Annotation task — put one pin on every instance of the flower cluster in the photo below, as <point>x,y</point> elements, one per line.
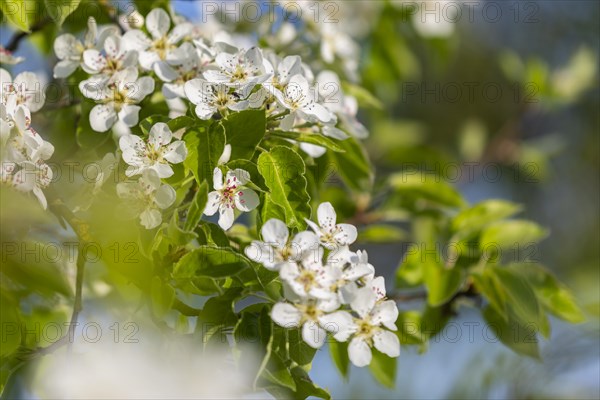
<point>152,159</point>
<point>23,152</point>
<point>212,76</point>
<point>328,287</point>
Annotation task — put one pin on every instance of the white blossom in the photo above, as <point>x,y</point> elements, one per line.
<point>230,194</point>
<point>376,318</point>
<point>157,153</point>
<point>297,97</point>
<point>26,89</point>
<point>147,197</point>
<point>163,43</point>
<point>118,97</point>
<point>210,98</point>
<point>242,70</point>
<point>277,249</point>
<point>332,235</point>
<point>309,314</point>
<point>69,50</point>
<point>111,59</point>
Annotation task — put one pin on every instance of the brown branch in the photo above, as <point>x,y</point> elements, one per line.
<point>14,41</point>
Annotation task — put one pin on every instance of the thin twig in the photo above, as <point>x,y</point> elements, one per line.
<point>14,41</point>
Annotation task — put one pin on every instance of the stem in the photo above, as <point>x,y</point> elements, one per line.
<point>185,309</point>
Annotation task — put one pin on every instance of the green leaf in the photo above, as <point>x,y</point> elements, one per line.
<point>487,284</point>
<point>339,355</point>
<point>283,171</point>
<point>411,269</point>
<point>205,144</point>
<point>521,299</point>
<point>551,294</point>
<point>14,12</point>
<point>442,282</point>
<point>214,234</point>
<point>197,207</point>
<point>162,296</point>
<point>212,262</point>
<point>504,235</point>
<point>312,138</point>
<point>353,165</point>
<point>216,315</point>
<point>11,326</point>
<point>278,373</point>
<point>383,368</point>
<point>176,235</point>
<point>182,122</point>
<point>305,387</point>
<point>520,338</point>
<point>268,209</point>
<point>244,131</point>
<point>410,331</point>
<point>380,233</point>
<point>476,217</point>
<point>299,351</point>
<point>59,10</point>
<point>418,185</point>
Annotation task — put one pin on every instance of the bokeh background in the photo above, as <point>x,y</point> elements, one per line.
<point>508,91</point>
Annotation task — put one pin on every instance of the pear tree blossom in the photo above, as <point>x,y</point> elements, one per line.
<point>242,70</point>
<point>211,98</point>
<point>26,89</point>
<point>111,59</point>
<point>118,97</point>
<point>331,234</point>
<point>309,314</point>
<point>163,45</point>
<point>147,198</point>
<point>298,97</point>
<point>277,249</point>
<point>230,194</point>
<point>70,50</point>
<point>157,153</point>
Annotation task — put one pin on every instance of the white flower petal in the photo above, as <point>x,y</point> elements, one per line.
<point>359,352</point>
<point>218,183</point>
<point>160,135</point>
<point>65,68</point>
<point>274,231</point>
<point>102,117</point>
<point>346,234</point>
<point>246,200</point>
<point>339,323</point>
<point>286,315</point>
<point>387,343</point>
<point>326,216</point>
<point>238,175</point>
<point>363,301</point>
<point>313,334</point>
<point>129,115</point>
<point>176,152</point>
<point>213,203</point>
<point>65,46</point>
<point>150,218</point>
<point>385,313</point>
<point>158,23</point>
<point>226,217</point>
<point>165,196</point>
